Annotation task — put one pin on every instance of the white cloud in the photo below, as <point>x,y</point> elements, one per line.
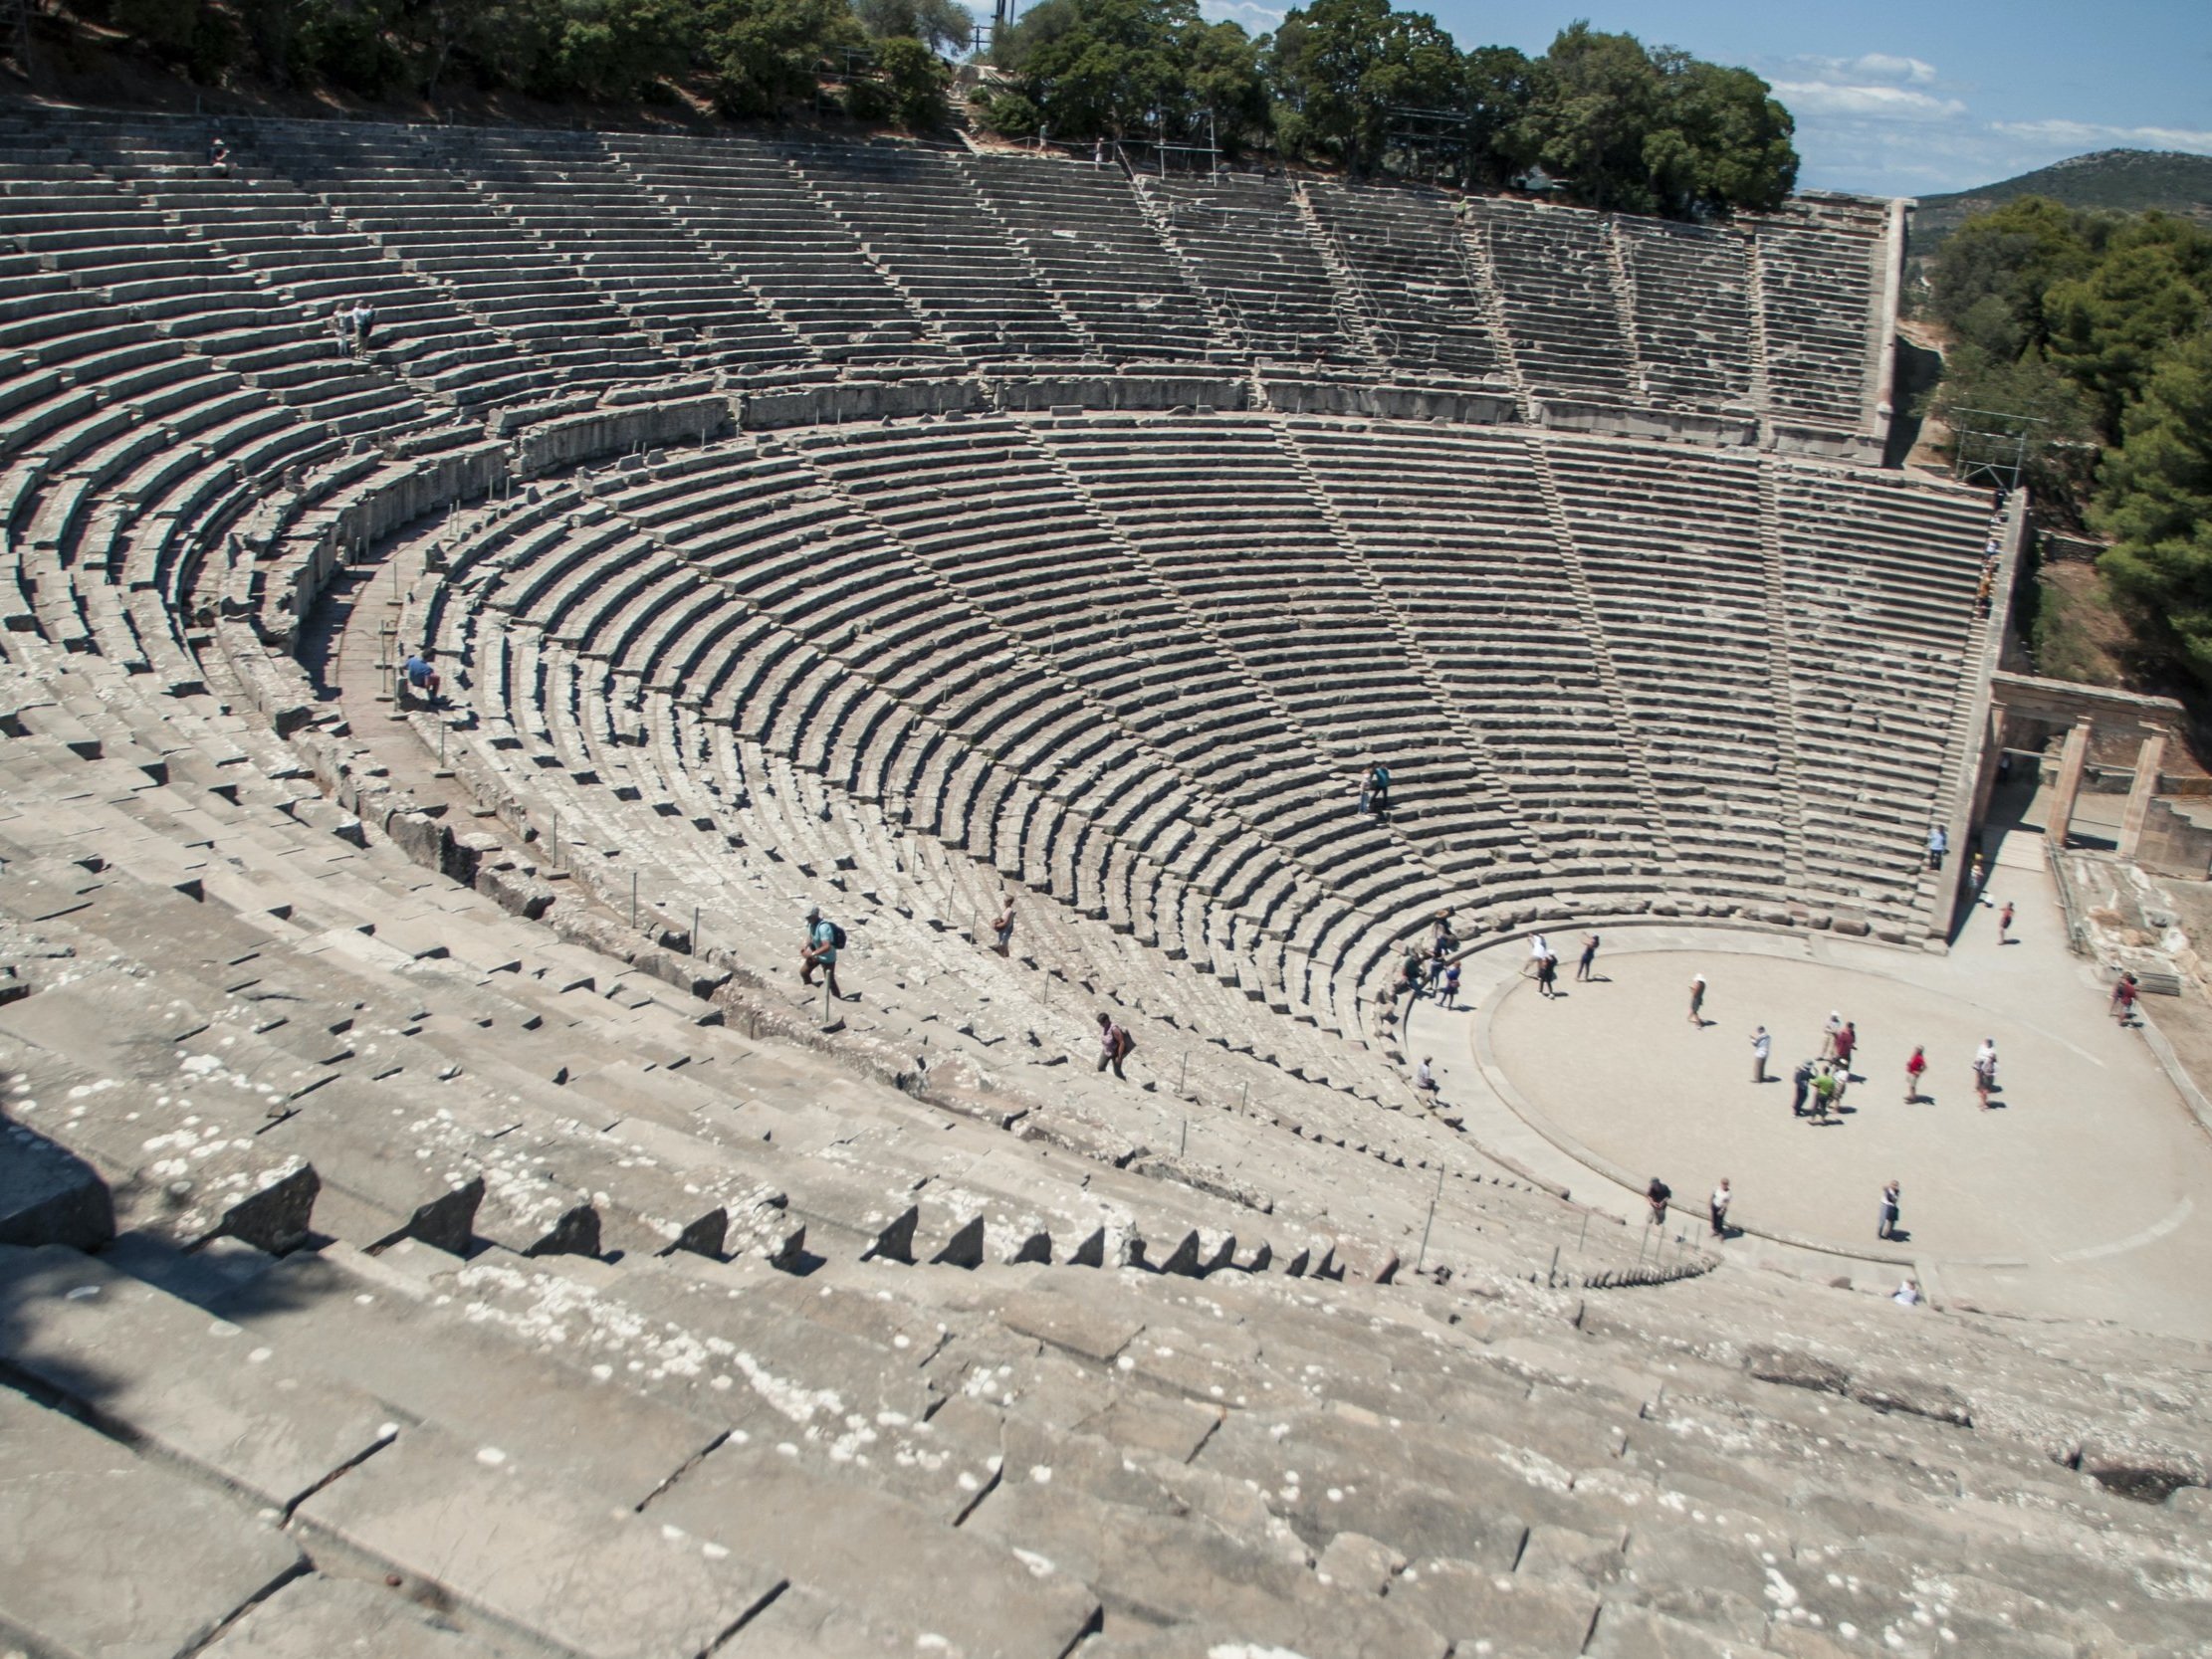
<point>2079,136</point>
<point>1881,66</point>
<point>1256,19</point>
<point>1884,121</point>
<point>1867,102</point>
<point>1878,67</point>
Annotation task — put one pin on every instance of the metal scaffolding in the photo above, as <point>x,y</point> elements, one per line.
<point>1994,450</point>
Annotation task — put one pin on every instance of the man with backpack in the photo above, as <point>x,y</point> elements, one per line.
<point>824,938</point>
<point>1114,1044</point>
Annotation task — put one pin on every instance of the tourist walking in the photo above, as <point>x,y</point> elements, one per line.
<point>1450,996</point>
<point>1938,845</point>
<point>1002,929</point>
<point>824,938</point>
<point>1829,1033</point>
<point>1657,1195</point>
<point>1985,1070</point>
<point>1915,1068</point>
<point>1114,1044</point>
<point>341,325</point>
<point>2004,924</point>
<point>1588,955</point>
<point>1801,1083</point>
<point>2125,990</point>
<point>1698,1000</point>
<point>1547,975</point>
<point>1846,1043</point>
<point>1721,1199</point>
<point>1762,1045</point>
<point>1976,876</point>
<point>364,324</point>
<point>1886,1224</point>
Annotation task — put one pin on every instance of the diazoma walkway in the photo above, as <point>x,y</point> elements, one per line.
<point>2086,1191</point>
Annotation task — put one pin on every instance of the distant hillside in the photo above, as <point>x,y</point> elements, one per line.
<point>2123,180</point>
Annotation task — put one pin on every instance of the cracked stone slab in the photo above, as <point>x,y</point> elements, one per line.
<point>198,1387</point>
<point>105,1556</point>
<point>556,1563</point>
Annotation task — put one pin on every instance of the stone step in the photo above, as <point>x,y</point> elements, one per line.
<point>554,1565</point>
<point>106,1554</point>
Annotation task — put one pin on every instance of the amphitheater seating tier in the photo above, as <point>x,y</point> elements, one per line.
<point>510,268</point>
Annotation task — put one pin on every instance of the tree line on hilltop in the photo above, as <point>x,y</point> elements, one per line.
<point>2098,328</point>
<point>1353,84</point>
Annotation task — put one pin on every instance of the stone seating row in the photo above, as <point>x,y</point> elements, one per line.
<point>1006,1459</point>
<point>1810,254</point>
<point>577,259</point>
<point>916,483</point>
<point>1404,248</point>
<point>318,936</point>
<point>1074,225</point>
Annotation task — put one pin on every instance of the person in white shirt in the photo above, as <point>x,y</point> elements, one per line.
<point>1720,1201</point>
<point>1908,1295</point>
<point>1424,1078</point>
<point>1762,1045</point>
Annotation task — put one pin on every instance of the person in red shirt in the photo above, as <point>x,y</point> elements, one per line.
<point>1846,1040</point>
<point>1915,1068</point>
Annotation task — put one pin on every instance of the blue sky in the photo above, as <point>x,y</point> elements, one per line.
<point>1905,100</point>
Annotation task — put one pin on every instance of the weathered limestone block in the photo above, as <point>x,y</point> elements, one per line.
<point>316,1617</point>
<point>50,1195</point>
<point>105,1556</point>
<point>560,1564</point>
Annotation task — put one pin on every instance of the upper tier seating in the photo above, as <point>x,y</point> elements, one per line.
<point>514,267</point>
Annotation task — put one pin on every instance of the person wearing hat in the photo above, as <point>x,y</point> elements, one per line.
<point>820,952</point>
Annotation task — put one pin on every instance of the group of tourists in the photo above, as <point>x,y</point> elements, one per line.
<point>1429,970</point>
<point>1818,1085</point>
<point>1543,962</point>
<point>354,326</point>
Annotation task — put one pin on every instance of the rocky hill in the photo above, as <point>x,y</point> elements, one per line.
<point>2123,180</point>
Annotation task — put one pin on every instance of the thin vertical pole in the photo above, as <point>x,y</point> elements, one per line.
<point>695,930</point>
<point>1435,1198</point>
<point>1181,1082</point>
<point>633,899</point>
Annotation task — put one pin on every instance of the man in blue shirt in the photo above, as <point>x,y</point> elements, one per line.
<point>820,952</point>
<point>422,677</point>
